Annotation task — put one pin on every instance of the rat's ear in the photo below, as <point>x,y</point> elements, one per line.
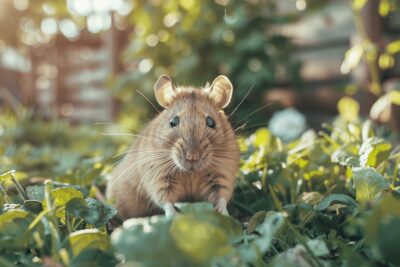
<point>164,90</point>
<point>221,91</point>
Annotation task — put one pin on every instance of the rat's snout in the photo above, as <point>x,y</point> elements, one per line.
<point>192,154</point>
<point>189,157</point>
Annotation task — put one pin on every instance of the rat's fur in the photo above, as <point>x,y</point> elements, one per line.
<point>155,173</point>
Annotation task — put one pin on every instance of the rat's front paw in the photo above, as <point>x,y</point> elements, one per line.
<point>169,210</point>
<point>221,207</point>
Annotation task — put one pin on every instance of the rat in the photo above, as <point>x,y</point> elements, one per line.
<point>187,153</point>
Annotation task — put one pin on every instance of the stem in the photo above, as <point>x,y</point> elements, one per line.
<point>17,185</point>
<point>68,223</point>
<point>304,243</point>
<point>76,225</point>
<point>48,186</point>
<point>396,169</point>
<point>275,200</point>
<point>283,242</point>
<point>274,249</point>
<point>4,194</point>
<point>381,168</point>
<point>53,225</point>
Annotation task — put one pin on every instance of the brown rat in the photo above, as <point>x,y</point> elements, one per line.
<point>188,152</point>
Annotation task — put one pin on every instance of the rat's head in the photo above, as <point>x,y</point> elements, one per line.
<point>193,122</point>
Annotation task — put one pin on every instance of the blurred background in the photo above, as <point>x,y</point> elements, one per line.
<point>84,61</point>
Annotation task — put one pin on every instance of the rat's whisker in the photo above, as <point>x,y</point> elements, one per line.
<point>205,135</point>
<point>254,112</point>
<point>223,156</point>
<point>142,161</point>
<point>160,163</point>
<point>139,92</point>
<point>137,135</point>
<point>130,156</point>
<point>117,134</point>
<point>163,169</point>
<point>135,152</point>
<point>241,127</point>
<point>142,177</point>
<point>251,127</point>
<point>244,98</point>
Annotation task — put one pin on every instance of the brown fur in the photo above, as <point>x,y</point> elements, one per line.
<point>154,171</point>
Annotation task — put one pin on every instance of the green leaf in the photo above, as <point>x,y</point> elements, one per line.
<point>347,106</point>
<point>84,190</point>
<point>189,239</point>
<point>33,206</point>
<point>381,227</point>
<point>81,240</point>
<point>336,198</point>
<point>140,239</point>
<point>105,212</point>
<point>359,4</point>
<point>374,151</point>
<point>262,137</point>
<point>351,60</point>
<point>387,206</point>
<point>394,97</point>
<point>93,257</point>
<point>346,155</point>
<point>203,237</point>
<point>6,175</point>
<point>368,183</point>
<point>388,240</point>
<point>14,233</point>
<point>384,8</point>
<point>61,197</point>
<point>194,207</point>
<point>78,208</point>
<point>91,210</point>
<point>380,109</point>
<point>386,61</point>
<point>393,47</point>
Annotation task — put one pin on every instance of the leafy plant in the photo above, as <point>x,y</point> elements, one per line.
<point>328,198</point>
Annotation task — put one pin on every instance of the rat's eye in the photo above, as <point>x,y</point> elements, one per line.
<point>174,122</point>
<point>210,122</point>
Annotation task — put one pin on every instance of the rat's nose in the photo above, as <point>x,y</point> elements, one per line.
<point>192,155</point>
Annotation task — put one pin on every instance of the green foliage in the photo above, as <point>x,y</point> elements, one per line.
<point>326,199</point>
<point>368,183</point>
<point>194,41</point>
<point>91,211</point>
<point>54,149</point>
<point>380,227</point>
<point>195,238</point>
